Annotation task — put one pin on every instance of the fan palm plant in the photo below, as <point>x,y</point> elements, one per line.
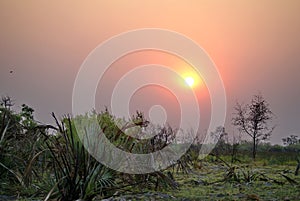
<point>78,175</point>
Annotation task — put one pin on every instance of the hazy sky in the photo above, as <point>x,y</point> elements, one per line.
<point>254,44</point>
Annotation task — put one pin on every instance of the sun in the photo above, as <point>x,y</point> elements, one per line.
<point>190,81</point>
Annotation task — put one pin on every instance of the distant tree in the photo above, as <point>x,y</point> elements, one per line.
<point>221,146</point>
<point>27,119</point>
<point>6,102</point>
<point>234,148</point>
<point>290,140</point>
<point>252,119</point>
<point>219,134</point>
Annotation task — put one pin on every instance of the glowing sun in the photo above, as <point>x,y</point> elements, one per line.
<point>190,81</point>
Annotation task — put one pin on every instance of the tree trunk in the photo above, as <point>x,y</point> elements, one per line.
<point>297,168</point>
<point>254,149</point>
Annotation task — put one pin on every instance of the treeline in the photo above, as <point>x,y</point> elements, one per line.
<point>271,154</point>
<point>245,146</point>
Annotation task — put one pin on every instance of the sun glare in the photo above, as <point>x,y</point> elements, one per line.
<point>190,81</point>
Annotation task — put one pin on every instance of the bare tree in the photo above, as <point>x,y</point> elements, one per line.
<point>252,119</point>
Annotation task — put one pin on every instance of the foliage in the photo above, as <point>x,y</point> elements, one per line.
<point>19,146</point>
<point>129,136</point>
<point>80,176</point>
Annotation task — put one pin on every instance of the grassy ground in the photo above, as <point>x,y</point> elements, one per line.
<point>265,183</point>
<point>214,180</point>
<point>218,182</point>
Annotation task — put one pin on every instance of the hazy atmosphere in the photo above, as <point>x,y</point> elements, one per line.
<point>254,44</point>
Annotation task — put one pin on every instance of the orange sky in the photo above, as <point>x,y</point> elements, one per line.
<point>255,45</point>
